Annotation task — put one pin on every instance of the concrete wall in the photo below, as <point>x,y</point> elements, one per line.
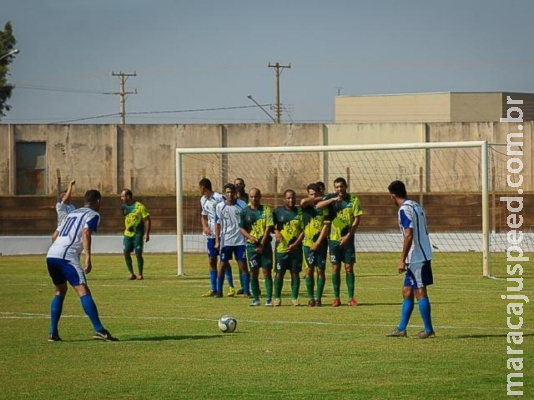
<point>142,157</point>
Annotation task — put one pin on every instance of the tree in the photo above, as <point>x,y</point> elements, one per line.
<point>7,44</point>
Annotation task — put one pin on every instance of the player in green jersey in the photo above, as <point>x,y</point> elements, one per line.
<point>289,233</point>
<point>345,210</point>
<point>137,231</point>
<point>256,224</point>
<point>315,244</point>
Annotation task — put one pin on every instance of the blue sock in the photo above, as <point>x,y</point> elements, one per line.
<point>424,310</point>
<point>89,307</point>
<point>220,282</point>
<point>56,307</point>
<point>406,313</point>
<point>229,277</point>
<point>246,283</point>
<point>213,280</point>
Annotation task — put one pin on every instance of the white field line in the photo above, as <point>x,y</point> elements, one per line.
<point>19,315</point>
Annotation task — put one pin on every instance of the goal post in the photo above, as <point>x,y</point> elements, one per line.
<point>447,177</point>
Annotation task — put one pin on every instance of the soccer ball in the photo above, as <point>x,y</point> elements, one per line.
<point>227,324</point>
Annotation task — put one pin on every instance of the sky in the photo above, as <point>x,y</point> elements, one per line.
<point>197,61</point>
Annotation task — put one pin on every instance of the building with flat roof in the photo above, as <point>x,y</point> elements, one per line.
<point>430,107</point>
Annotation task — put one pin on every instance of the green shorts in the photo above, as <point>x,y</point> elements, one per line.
<point>260,260</point>
<point>134,243</point>
<point>345,254</point>
<point>289,261</point>
<point>316,258</point>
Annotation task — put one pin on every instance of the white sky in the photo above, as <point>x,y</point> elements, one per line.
<point>205,54</point>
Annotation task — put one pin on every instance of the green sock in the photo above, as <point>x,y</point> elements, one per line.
<point>350,284</point>
<point>269,286</point>
<point>309,286</point>
<point>320,287</point>
<point>129,265</point>
<point>278,284</point>
<point>295,286</point>
<point>140,264</point>
<point>335,284</point>
<point>254,288</point>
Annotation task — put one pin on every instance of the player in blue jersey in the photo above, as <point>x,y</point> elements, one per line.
<point>73,236</point>
<point>208,216</point>
<point>415,261</point>
<point>137,226</point>
<point>229,239</point>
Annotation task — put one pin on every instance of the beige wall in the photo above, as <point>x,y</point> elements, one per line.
<point>393,108</point>
<point>142,157</point>
<point>473,107</point>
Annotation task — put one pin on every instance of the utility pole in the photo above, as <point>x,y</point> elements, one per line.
<point>278,70</point>
<point>123,77</point>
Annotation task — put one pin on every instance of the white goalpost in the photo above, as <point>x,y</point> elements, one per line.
<point>451,179</point>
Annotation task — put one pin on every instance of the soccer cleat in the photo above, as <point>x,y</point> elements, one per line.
<point>139,277</point>
<point>132,277</point>
<point>277,302</point>
<point>231,292</point>
<point>54,338</point>
<point>255,303</point>
<point>336,303</point>
<point>217,295</point>
<point>209,293</point>
<point>352,303</point>
<point>268,303</point>
<point>311,303</point>
<point>247,295</point>
<point>424,335</point>
<point>239,291</point>
<point>396,333</point>
<point>295,302</point>
<point>104,335</point>
<point>318,303</point>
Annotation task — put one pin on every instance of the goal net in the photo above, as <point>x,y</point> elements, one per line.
<point>453,181</point>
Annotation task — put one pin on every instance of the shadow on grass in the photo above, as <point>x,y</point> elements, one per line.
<point>170,337</point>
<point>485,336</point>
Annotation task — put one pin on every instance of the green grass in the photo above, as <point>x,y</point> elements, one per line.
<point>170,346</point>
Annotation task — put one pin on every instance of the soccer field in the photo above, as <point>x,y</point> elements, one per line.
<point>170,346</point>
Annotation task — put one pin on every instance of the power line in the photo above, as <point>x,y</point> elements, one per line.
<point>53,89</point>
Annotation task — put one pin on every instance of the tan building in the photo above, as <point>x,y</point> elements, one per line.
<point>430,107</point>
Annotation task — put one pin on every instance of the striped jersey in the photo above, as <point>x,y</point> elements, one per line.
<point>69,243</point>
<point>207,208</point>
<point>411,215</point>
<point>228,217</point>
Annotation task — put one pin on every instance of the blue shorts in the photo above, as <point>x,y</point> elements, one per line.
<point>61,271</point>
<point>212,251</point>
<point>418,275</point>
<point>227,253</point>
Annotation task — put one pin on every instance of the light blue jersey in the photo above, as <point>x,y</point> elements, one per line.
<point>207,208</point>
<point>69,242</point>
<point>228,217</point>
<point>411,215</point>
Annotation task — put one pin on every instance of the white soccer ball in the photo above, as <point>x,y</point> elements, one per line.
<point>227,324</point>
